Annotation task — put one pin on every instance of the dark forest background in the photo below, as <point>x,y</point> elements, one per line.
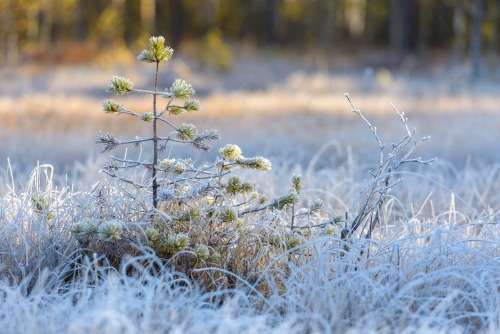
<point>466,29</point>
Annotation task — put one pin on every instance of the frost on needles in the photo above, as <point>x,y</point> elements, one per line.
<point>205,214</point>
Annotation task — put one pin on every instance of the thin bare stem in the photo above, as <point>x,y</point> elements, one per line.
<point>155,141</point>
<point>377,191</point>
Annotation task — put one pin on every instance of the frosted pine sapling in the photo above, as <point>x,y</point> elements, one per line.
<point>185,133</point>
<point>192,203</point>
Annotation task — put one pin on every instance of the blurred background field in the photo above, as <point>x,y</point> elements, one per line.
<point>270,74</point>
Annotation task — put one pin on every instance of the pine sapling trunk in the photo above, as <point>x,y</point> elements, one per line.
<point>155,142</point>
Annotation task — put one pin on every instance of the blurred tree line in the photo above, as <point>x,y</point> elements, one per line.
<point>463,27</point>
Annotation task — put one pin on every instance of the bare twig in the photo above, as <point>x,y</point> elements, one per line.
<point>377,191</point>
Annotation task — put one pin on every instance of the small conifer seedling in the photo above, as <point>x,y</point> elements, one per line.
<point>185,133</point>
<point>196,214</point>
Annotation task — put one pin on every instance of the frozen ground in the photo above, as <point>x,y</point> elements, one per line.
<point>432,267</point>
<point>433,264</point>
<point>282,108</point>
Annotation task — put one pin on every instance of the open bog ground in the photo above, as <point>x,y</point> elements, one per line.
<point>431,264</point>
<point>280,108</point>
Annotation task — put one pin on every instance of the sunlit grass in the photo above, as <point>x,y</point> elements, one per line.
<point>432,265</point>
<point>294,119</point>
